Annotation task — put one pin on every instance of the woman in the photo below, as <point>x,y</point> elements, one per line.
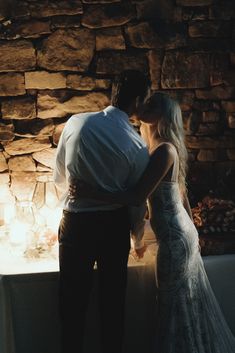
<point>189,318</point>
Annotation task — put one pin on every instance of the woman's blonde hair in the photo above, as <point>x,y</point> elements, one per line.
<point>170,127</point>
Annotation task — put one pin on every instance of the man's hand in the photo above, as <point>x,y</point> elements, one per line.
<point>140,252</point>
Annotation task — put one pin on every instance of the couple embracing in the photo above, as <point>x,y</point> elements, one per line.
<point>109,171</point>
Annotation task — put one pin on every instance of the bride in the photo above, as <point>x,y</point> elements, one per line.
<point>189,317</point>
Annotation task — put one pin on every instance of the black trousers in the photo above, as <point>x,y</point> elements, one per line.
<point>86,238</point>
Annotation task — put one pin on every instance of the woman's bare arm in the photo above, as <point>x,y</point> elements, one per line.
<point>160,162</point>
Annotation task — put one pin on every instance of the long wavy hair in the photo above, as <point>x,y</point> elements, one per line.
<point>170,128</point>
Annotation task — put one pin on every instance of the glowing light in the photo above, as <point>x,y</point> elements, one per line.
<point>9,213</point>
<point>2,220</point>
<point>18,233</point>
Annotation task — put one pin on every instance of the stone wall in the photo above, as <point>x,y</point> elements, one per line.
<point>59,57</point>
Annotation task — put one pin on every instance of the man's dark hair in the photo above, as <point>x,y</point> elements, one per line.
<point>127,86</point>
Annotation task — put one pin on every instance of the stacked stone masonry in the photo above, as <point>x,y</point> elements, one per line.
<point>58,58</point>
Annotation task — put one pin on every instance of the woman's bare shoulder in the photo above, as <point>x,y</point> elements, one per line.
<point>165,149</point>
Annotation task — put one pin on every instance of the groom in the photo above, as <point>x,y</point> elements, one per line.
<point>103,149</point>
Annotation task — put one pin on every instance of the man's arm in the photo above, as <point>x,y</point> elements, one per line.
<point>59,173</point>
<point>137,219</point>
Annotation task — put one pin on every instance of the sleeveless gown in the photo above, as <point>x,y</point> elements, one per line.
<point>189,317</point>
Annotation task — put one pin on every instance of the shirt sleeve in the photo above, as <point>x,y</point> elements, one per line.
<point>59,173</point>
<point>137,214</point>
<point>137,219</point>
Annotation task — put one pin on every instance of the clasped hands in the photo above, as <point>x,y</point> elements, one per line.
<point>79,189</point>
<point>82,189</point>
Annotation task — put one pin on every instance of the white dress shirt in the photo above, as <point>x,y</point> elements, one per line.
<point>103,149</point>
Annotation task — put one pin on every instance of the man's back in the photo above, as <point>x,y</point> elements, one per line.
<point>104,150</point>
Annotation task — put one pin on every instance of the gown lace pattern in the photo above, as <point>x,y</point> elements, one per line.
<point>189,317</point>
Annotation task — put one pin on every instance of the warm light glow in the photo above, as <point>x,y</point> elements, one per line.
<point>54,220</point>
<point>18,233</point>
<point>49,217</point>
<point>9,213</point>
<point>2,220</point>
<point>28,231</point>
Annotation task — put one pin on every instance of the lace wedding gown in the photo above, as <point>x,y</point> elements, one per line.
<point>189,317</point>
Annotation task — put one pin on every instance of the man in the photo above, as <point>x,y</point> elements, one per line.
<point>104,150</point>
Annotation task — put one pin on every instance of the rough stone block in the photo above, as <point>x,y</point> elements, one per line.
<point>86,83</point>
<point>113,63</point>
<point>155,62</point>
<point>208,155</point>
<point>209,29</point>
<point>18,56</point>
<point>50,106</point>
<point>12,84</point>
<point>111,38</point>
<point>30,29</point>
<point>6,136</point>
<point>46,157</point>
<point>110,15</point>
<point>27,145</point>
<point>70,49</point>
<point>185,70</point>
<point>22,164</point>
<point>34,127</point>
<point>19,108</point>
<point>66,22</point>
<point>205,105</point>
<point>184,98</point>
<point>50,8</point>
<point>152,9</point>
<point>3,163</point>
<point>211,116</point>
<point>216,93</point>
<point>228,106</point>
<point>44,80</point>
<point>4,178</point>
<point>194,142</point>
<point>208,129</point>
<point>56,135</point>
<point>143,35</point>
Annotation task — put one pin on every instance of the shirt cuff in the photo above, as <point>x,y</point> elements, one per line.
<point>138,244</point>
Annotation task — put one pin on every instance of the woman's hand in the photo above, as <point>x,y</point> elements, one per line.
<point>140,252</point>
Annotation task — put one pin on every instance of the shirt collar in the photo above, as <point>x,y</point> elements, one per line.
<point>113,110</point>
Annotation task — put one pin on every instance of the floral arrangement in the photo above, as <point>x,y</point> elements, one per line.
<point>214,215</point>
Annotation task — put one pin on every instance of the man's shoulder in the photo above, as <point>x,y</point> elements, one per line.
<point>84,116</point>
<point>82,119</point>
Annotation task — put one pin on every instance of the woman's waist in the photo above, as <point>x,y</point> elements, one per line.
<point>165,207</point>
<point>174,217</point>
<point>165,197</point>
